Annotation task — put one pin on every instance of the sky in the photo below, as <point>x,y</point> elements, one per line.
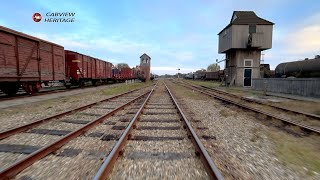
<point>174,33</point>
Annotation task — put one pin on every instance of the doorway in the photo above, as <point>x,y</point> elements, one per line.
<point>247,77</point>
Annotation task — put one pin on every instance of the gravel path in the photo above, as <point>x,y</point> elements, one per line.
<point>239,143</point>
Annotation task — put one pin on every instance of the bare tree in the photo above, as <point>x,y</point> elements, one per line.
<point>213,67</point>
<point>122,65</point>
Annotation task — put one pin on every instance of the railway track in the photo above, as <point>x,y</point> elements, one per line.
<point>22,146</point>
<point>15,130</point>
<point>22,94</point>
<point>77,154</point>
<point>295,112</point>
<point>309,125</point>
<point>154,145</point>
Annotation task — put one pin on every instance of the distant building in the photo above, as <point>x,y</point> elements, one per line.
<point>242,40</point>
<point>145,62</point>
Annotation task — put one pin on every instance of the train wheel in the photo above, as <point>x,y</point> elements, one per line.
<point>81,84</point>
<point>31,88</point>
<point>36,87</point>
<point>10,89</point>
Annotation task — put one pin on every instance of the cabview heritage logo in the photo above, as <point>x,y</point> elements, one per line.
<point>55,17</point>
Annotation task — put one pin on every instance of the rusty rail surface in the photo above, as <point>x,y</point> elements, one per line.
<point>303,126</point>
<point>13,131</point>
<point>315,116</point>
<point>107,166</point>
<point>20,165</point>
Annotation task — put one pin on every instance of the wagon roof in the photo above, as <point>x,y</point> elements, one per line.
<point>70,51</point>
<point>17,33</point>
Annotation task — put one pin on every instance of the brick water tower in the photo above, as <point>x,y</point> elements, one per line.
<point>243,40</point>
<point>145,67</point>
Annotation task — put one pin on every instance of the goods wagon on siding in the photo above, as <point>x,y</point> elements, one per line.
<point>127,73</point>
<point>82,68</point>
<point>308,68</point>
<point>122,74</point>
<point>28,61</point>
<point>216,75</point>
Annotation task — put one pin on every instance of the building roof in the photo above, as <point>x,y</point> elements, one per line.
<point>144,54</point>
<point>17,33</point>
<point>246,18</point>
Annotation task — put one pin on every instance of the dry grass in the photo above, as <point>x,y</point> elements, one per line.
<point>124,88</point>
<point>185,92</point>
<point>297,153</point>
<point>225,113</point>
<point>256,135</point>
<point>50,103</point>
<point>210,84</point>
<point>305,106</point>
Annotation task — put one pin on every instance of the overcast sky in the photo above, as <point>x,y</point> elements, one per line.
<point>175,33</point>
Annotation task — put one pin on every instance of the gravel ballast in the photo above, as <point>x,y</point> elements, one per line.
<point>240,144</point>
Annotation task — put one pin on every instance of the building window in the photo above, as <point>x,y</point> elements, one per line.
<point>248,63</point>
<point>252,29</point>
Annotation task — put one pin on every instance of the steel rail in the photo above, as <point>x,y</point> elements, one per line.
<point>13,131</point>
<point>108,163</point>
<point>211,168</point>
<point>303,126</point>
<point>259,102</point>
<point>20,165</point>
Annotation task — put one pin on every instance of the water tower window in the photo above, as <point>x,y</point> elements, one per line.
<point>252,29</point>
<point>248,63</point>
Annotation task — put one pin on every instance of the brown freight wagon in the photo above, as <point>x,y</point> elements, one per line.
<point>109,70</point>
<point>103,70</point>
<point>81,68</point>
<point>28,61</point>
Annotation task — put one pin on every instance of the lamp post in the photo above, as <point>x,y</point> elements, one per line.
<point>178,72</point>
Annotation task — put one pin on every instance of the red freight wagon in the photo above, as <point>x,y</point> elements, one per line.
<point>103,70</point>
<point>79,68</point>
<point>28,61</point>
<point>109,70</point>
<point>100,69</point>
<point>126,73</point>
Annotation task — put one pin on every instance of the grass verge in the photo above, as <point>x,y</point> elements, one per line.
<point>185,92</point>
<point>210,84</point>
<point>124,88</point>
<point>298,153</point>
